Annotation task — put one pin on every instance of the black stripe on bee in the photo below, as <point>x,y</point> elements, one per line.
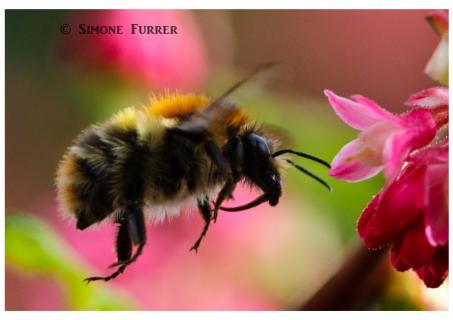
<point>101,160</point>
<point>132,173</point>
<point>94,193</point>
<point>129,163</point>
<point>182,161</point>
<point>128,136</point>
<point>93,140</point>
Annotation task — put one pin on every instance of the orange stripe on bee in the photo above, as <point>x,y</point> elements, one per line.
<point>237,118</point>
<point>67,178</point>
<point>232,119</point>
<point>177,106</point>
<point>68,166</point>
<point>70,198</point>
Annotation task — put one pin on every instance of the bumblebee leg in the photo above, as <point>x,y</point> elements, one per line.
<point>135,223</point>
<point>137,232</point>
<point>224,193</point>
<point>235,150</point>
<point>214,152</point>
<point>123,244</point>
<point>205,210</point>
<point>110,277</point>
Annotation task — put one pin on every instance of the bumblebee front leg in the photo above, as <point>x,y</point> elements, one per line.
<point>132,230</point>
<point>205,210</point>
<point>235,150</point>
<point>224,193</point>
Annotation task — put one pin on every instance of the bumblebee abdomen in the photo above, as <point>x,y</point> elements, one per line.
<point>101,165</point>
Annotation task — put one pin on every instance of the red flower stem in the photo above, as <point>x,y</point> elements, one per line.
<point>360,280</point>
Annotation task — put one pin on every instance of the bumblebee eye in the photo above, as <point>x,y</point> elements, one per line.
<point>259,145</point>
<point>258,158</point>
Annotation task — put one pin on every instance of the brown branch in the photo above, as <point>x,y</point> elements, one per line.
<point>360,281</point>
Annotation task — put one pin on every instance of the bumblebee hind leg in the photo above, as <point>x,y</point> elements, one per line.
<point>131,230</point>
<point>205,210</point>
<point>123,244</point>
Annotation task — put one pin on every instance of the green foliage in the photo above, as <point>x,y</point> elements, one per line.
<point>33,247</point>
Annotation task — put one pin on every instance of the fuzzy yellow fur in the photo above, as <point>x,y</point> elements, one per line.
<point>164,111</point>
<point>177,106</point>
<point>126,119</point>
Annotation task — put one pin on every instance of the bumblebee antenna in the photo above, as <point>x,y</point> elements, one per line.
<point>238,84</point>
<point>302,155</point>
<point>325,184</point>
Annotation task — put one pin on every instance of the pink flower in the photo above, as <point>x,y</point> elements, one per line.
<point>437,67</point>
<point>435,99</point>
<point>429,98</point>
<point>411,214</point>
<point>162,61</point>
<point>384,141</point>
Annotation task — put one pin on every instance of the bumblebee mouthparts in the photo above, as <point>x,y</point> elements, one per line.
<point>262,198</point>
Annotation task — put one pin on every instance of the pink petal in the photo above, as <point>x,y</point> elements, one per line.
<point>384,114</point>
<point>398,205</point>
<point>395,257</point>
<point>367,215</point>
<point>435,154</point>
<point>436,202</point>
<point>360,114</point>
<point>396,151</point>
<point>412,250</point>
<point>420,126</point>
<point>429,98</point>
<point>434,273</point>
<point>345,168</point>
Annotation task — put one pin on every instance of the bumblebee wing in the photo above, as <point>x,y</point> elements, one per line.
<point>220,109</point>
<point>260,72</point>
<point>200,123</point>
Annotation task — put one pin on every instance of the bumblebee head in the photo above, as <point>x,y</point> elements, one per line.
<point>258,165</point>
<point>259,168</point>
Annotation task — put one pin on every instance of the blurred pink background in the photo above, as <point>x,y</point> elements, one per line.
<point>377,53</point>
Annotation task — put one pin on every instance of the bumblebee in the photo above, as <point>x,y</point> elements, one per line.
<point>181,149</point>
